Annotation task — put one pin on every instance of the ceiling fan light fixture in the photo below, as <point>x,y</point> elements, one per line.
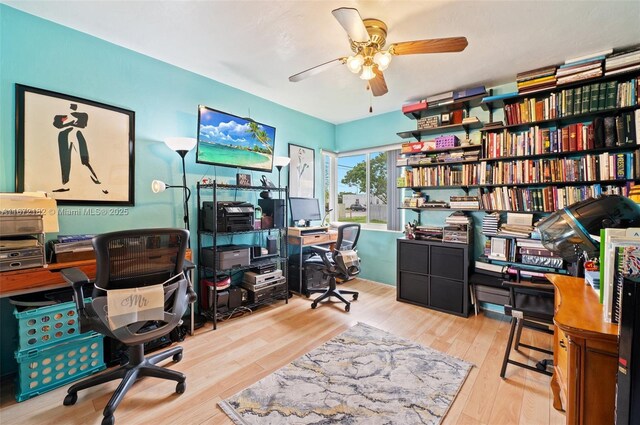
<point>367,72</point>
<point>354,63</point>
<point>382,59</point>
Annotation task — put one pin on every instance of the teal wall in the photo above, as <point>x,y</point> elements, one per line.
<point>42,54</point>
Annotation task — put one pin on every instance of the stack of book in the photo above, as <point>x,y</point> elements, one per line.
<point>492,125</point>
<point>440,99</point>
<point>536,80</point>
<point>428,232</point>
<point>470,92</point>
<point>464,202</point>
<point>520,230</point>
<point>490,224</point>
<point>625,61</point>
<point>72,248</point>
<point>593,279</point>
<point>533,253</point>
<point>581,68</point>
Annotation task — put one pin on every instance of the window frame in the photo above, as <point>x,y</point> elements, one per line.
<point>333,191</point>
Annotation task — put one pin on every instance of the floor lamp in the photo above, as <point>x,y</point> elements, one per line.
<point>181,145</point>
<point>280,162</point>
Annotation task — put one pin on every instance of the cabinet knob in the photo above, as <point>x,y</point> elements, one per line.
<point>562,344</point>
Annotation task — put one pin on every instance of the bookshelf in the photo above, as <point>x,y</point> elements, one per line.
<point>554,145</point>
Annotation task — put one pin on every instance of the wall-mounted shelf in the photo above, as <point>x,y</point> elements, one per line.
<point>417,134</point>
<point>563,154</point>
<point>466,103</point>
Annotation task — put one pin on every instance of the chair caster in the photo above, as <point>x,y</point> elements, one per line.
<point>314,305</point>
<point>355,297</point>
<point>181,387</point>
<point>347,307</point>
<point>108,420</point>
<point>177,357</point>
<point>70,399</point>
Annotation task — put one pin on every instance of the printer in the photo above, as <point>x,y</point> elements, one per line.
<point>232,216</point>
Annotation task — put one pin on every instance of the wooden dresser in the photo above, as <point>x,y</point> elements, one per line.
<point>585,354</point>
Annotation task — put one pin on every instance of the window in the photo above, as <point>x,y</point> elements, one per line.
<point>362,188</point>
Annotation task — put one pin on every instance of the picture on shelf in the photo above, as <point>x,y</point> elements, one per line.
<point>243,179</point>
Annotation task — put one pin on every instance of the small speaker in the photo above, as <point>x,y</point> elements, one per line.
<point>256,251</point>
<point>235,297</point>
<point>272,244</point>
<point>274,208</point>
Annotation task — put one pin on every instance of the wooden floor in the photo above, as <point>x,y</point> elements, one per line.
<point>243,350</point>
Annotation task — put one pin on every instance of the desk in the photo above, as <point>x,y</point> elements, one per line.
<point>301,241</point>
<point>26,281</point>
<point>585,354</point>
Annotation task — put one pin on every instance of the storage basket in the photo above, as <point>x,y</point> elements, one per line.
<point>44,326</point>
<point>42,370</point>
<point>444,142</point>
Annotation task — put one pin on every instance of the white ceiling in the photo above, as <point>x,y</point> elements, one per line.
<point>256,45</point>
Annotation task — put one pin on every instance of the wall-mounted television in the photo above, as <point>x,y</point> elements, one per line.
<point>231,141</point>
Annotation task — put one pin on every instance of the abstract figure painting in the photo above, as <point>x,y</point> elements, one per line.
<point>301,171</point>
<point>77,150</point>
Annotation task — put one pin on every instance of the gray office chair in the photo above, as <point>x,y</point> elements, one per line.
<point>338,262</point>
<point>130,259</point>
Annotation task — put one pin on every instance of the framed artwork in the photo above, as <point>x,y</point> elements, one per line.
<point>77,150</point>
<point>302,171</point>
<point>243,179</point>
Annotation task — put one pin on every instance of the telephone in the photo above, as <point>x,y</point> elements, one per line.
<point>266,182</point>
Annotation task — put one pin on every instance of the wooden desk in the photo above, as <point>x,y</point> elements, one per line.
<point>585,354</point>
<point>326,238</point>
<point>18,282</point>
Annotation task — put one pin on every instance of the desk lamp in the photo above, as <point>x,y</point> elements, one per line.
<point>181,145</point>
<point>567,232</point>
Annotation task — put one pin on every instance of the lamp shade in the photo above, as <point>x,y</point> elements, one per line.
<point>281,161</point>
<point>158,186</point>
<point>180,143</point>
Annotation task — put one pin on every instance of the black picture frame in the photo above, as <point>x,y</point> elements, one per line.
<point>80,151</point>
<point>302,171</point>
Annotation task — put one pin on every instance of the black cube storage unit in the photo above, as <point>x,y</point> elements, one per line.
<point>435,275</point>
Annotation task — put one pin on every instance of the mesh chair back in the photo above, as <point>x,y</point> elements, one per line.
<point>347,236</point>
<point>137,258</point>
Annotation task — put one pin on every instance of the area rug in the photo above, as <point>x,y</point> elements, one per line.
<point>362,376</point>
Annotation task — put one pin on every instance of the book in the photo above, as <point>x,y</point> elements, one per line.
<point>414,107</point>
<point>473,91</point>
<point>590,56</point>
<point>440,97</point>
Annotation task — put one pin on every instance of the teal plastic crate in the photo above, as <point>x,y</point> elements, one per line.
<point>45,326</point>
<point>43,370</point>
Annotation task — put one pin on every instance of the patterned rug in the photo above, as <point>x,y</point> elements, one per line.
<point>362,376</point>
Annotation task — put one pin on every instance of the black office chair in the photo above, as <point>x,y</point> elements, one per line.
<point>341,262</point>
<point>531,305</point>
<point>134,259</point>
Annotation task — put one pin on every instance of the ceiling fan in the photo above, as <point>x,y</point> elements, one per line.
<point>368,38</point>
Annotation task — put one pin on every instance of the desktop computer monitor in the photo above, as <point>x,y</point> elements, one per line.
<point>306,209</point>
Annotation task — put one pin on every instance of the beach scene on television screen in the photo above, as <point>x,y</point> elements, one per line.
<point>235,142</point>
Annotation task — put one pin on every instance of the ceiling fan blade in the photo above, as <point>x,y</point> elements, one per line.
<point>378,84</point>
<point>434,45</point>
<point>316,69</point>
<point>352,23</point>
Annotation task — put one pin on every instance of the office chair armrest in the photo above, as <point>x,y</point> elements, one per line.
<point>77,279</point>
<point>323,253</point>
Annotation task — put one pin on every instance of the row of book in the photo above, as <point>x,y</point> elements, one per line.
<point>425,158</point>
<point>587,168</point>
<point>574,101</point>
<point>603,132</point>
<point>547,199</point>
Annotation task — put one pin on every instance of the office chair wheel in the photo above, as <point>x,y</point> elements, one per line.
<point>177,357</point>
<point>355,297</point>
<point>108,420</point>
<point>70,399</point>
<point>314,305</point>
<point>347,307</point>
<point>181,387</point>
